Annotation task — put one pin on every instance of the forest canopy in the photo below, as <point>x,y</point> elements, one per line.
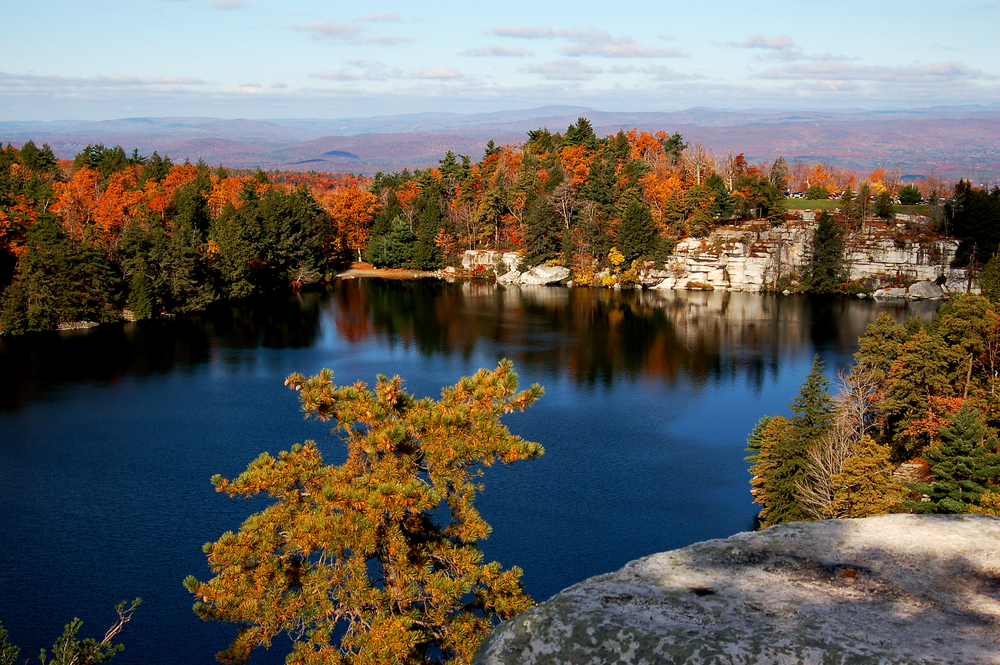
<point>112,233</point>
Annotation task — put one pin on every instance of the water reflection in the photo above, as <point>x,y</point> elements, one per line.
<point>596,335</point>
<point>33,365</point>
<point>591,336</point>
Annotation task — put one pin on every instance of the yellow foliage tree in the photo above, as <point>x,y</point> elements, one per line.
<point>375,560</point>
<point>865,485</point>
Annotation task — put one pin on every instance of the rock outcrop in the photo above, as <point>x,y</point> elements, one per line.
<point>754,255</point>
<point>889,589</point>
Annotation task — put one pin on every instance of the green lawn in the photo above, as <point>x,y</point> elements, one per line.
<point>811,204</point>
<point>830,204</point>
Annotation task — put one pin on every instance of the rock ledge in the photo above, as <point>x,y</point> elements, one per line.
<point>889,589</point>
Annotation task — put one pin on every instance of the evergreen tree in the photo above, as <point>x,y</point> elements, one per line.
<point>849,206</point>
<point>782,444</point>
<point>392,249</point>
<point>989,279</point>
<point>964,463</point>
<point>69,649</point>
<point>234,238</point>
<point>426,254</point>
<point>883,205</point>
<point>813,405</point>
<point>142,254</point>
<point>909,195</point>
<point>777,466</point>
<point>722,203</point>
<point>825,272</point>
<point>59,281</point>
<point>636,232</point>
<point>375,560</point>
<point>542,239</point>
<point>189,276</point>
<point>880,346</point>
<point>756,439</point>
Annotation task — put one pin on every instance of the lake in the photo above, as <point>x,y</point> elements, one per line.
<point>108,437</point>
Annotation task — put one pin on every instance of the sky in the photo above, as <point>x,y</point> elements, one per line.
<point>261,59</point>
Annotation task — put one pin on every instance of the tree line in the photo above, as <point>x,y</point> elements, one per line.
<point>80,240</point>
<point>912,427</point>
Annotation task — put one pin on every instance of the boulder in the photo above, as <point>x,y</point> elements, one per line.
<point>511,277</point>
<point>545,275</point>
<point>890,589</point>
<point>925,291</point>
<point>889,294</point>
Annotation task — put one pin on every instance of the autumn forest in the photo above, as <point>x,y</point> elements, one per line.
<point>83,240</point>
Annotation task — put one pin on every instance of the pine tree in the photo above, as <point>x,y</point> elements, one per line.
<point>543,236</point>
<point>426,254</point>
<point>393,249</point>
<point>777,465</point>
<point>813,405</point>
<point>374,560</point>
<point>781,463</point>
<point>989,279</point>
<point>964,464</point>
<point>636,232</point>
<point>825,272</point>
<point>756,439</point>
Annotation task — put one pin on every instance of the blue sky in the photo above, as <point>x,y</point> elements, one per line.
<point>63,59</point>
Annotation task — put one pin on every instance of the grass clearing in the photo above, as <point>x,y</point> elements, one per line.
<point>811,204</point>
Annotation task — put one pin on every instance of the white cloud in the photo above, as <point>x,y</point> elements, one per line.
<point>388,40</point>
<point>522,32</point>
<point>381,17</point>
<point>657,73</point>
<point>8,80</point>
<point>491,50</point>
<point>324,30</point>
<point>589,42</point>
<point>351,33</point>
<point>359,70</point>
<point>564,70</point>
<point>778,42</point>
<point>438,73</point>
<point>367,70</point>
<point>601,43</point>
<point>838,71</point>
<point>229,4</point>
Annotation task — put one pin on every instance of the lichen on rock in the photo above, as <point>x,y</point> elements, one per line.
<point>887,589</point>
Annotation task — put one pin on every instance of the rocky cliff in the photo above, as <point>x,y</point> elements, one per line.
<point>757,256</point>
<point>889,589</point>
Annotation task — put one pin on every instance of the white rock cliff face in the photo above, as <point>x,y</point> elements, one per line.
<point>891,589</point>
<point>753,257</point>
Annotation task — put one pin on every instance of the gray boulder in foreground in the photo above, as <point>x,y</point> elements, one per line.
<point>888,589</point>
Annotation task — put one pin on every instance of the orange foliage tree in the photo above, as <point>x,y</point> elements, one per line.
<point>76,200</point>
<point>375,560</point>
<point>352,210</point>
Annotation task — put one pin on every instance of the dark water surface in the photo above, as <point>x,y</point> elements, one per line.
<point>108,438</point>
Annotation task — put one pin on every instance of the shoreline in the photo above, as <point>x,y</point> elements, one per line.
<point>368,270</point>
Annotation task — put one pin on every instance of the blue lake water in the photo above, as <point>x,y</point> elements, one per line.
<point>108,437</point>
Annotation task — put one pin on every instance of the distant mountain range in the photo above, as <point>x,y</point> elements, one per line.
<point>948,141</point>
